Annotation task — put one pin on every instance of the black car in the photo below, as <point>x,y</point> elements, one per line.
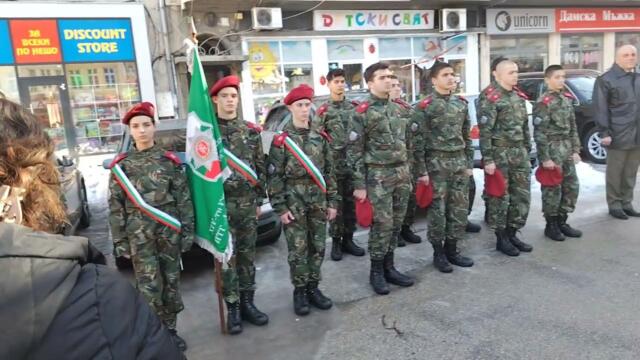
<point>74,195</point>
<point>580,84</point>
<point>171,135</point>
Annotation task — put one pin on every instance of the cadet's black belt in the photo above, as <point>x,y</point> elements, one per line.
<point>381,166</point>
<point>446,154</point>
<point>507,144</point>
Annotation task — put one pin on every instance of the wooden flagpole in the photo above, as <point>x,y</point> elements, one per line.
<point>218,283</point>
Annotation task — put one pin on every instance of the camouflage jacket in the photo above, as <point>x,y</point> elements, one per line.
<point>381,135</point>
<point>243,139</point>
<point>335,117</point>
<point>554,119</point>
<point>161,181</point>
<point>446,125</point>
<point>503,120</point>
<point>286,175</point>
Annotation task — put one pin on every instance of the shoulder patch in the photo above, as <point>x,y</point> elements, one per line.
<point>325,135</point>
<point>253,126</point>
<point>489,90</point>
<point>521,93</point>
<point>547,100</point>
<point>355,103</point>
<point>402,103</point>
<point>322,109</point>
<point>117,159</point>
<point>362,107</point>
<point>569,95</point>
<point>173,157</point>
<point>425,103</point>
<point>463,99</point>
<point>278,140</point>
<point>493,97</point>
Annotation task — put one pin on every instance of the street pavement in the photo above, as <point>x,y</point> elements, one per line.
<point>578,299</point>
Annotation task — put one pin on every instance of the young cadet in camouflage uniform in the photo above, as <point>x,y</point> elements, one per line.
<point>154,246</point>
<point>380,160</point>
<point>302,190</point>
<point>243,195</point>
<point>505,143</point>
<point>406,234</point>
<point>335,116</point>
<point>558,146</point>
<point>449,162</point>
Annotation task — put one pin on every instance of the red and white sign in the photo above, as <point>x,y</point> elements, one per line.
<point>597,19</point>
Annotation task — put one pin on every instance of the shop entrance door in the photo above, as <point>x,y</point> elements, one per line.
<point>48,99</point>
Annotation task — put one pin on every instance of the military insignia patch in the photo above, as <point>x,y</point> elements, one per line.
<point>353,136</point>
<point>537,120</point>
<point>483,120</point>
<point>414,127</point>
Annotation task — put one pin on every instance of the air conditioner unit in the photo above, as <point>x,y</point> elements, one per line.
<point>266,18</point>
<point>453,20</point>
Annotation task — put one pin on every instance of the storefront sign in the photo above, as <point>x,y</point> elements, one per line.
<point>373,20</point>
<point>6,53</point>
<point>96,40</point>
<point>597,19</point>
<point>520,21</point>
<point>35,41</point>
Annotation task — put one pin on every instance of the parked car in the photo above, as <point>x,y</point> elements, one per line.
<point>74,195</point>
<point>171,135</point>
<point>580,84</point>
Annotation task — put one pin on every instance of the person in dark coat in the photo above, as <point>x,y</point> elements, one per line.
<point>58,297</point>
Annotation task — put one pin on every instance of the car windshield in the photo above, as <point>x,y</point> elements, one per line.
<point>584,86</point>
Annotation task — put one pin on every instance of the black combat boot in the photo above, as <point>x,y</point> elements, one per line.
<point>376,278</point>
<point>552,231</point>
<point>248,310</point>
<point>350,247</point>
<point>317,298</point>
<point>180,343</point>
<point>440,259</point>
<point>336,249</point>
<point>504,245</point>
<point>409,236</point>
<point>234,322</point>
<point>401,242</point>
<point>454,257</point>
<point>392,275</point>
<point>566,229</point>
<point>300,301</point>
<point>513,238</point>
<point>473,227</point>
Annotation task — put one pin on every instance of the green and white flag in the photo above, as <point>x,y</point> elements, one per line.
<point>207,169</point>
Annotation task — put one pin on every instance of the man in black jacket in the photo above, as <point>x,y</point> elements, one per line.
<point>616,100</point>
<point>58,300</point>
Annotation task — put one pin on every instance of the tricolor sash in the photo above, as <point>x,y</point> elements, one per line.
<point>242,167</point>
<point>137,200</point>
<point>306,163</point>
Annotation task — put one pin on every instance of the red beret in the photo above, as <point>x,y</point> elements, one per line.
<point>424,194</point>
<point>549,177</point>
<point>227,81</point>
<point>364,213</point>
<point>144,108</point>
<point>495,185</point>
<point>303,91</point>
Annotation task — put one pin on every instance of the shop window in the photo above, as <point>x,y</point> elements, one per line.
<point>8,83</point>
<point>298,74</point>
<point>39,70</point>
<point>98,106</point>
<point>296,51</point>
<point>531,53</point>
<point>345,50</point>
<point>582,51</point>
<point>395,48</point>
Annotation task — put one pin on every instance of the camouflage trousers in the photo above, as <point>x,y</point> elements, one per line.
<point>307,234</point>
<point>447,214</point>
<point>561,199</point>
<point>155,254</point>
<point>388,189</point>
<point>512,209</point>
<point>241,272</point>
<point>345,222</point>
<point>410,215</point>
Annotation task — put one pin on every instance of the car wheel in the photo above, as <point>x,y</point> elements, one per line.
<point>85,218</point>
<point>269,240</point>
<point>593,148</point>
